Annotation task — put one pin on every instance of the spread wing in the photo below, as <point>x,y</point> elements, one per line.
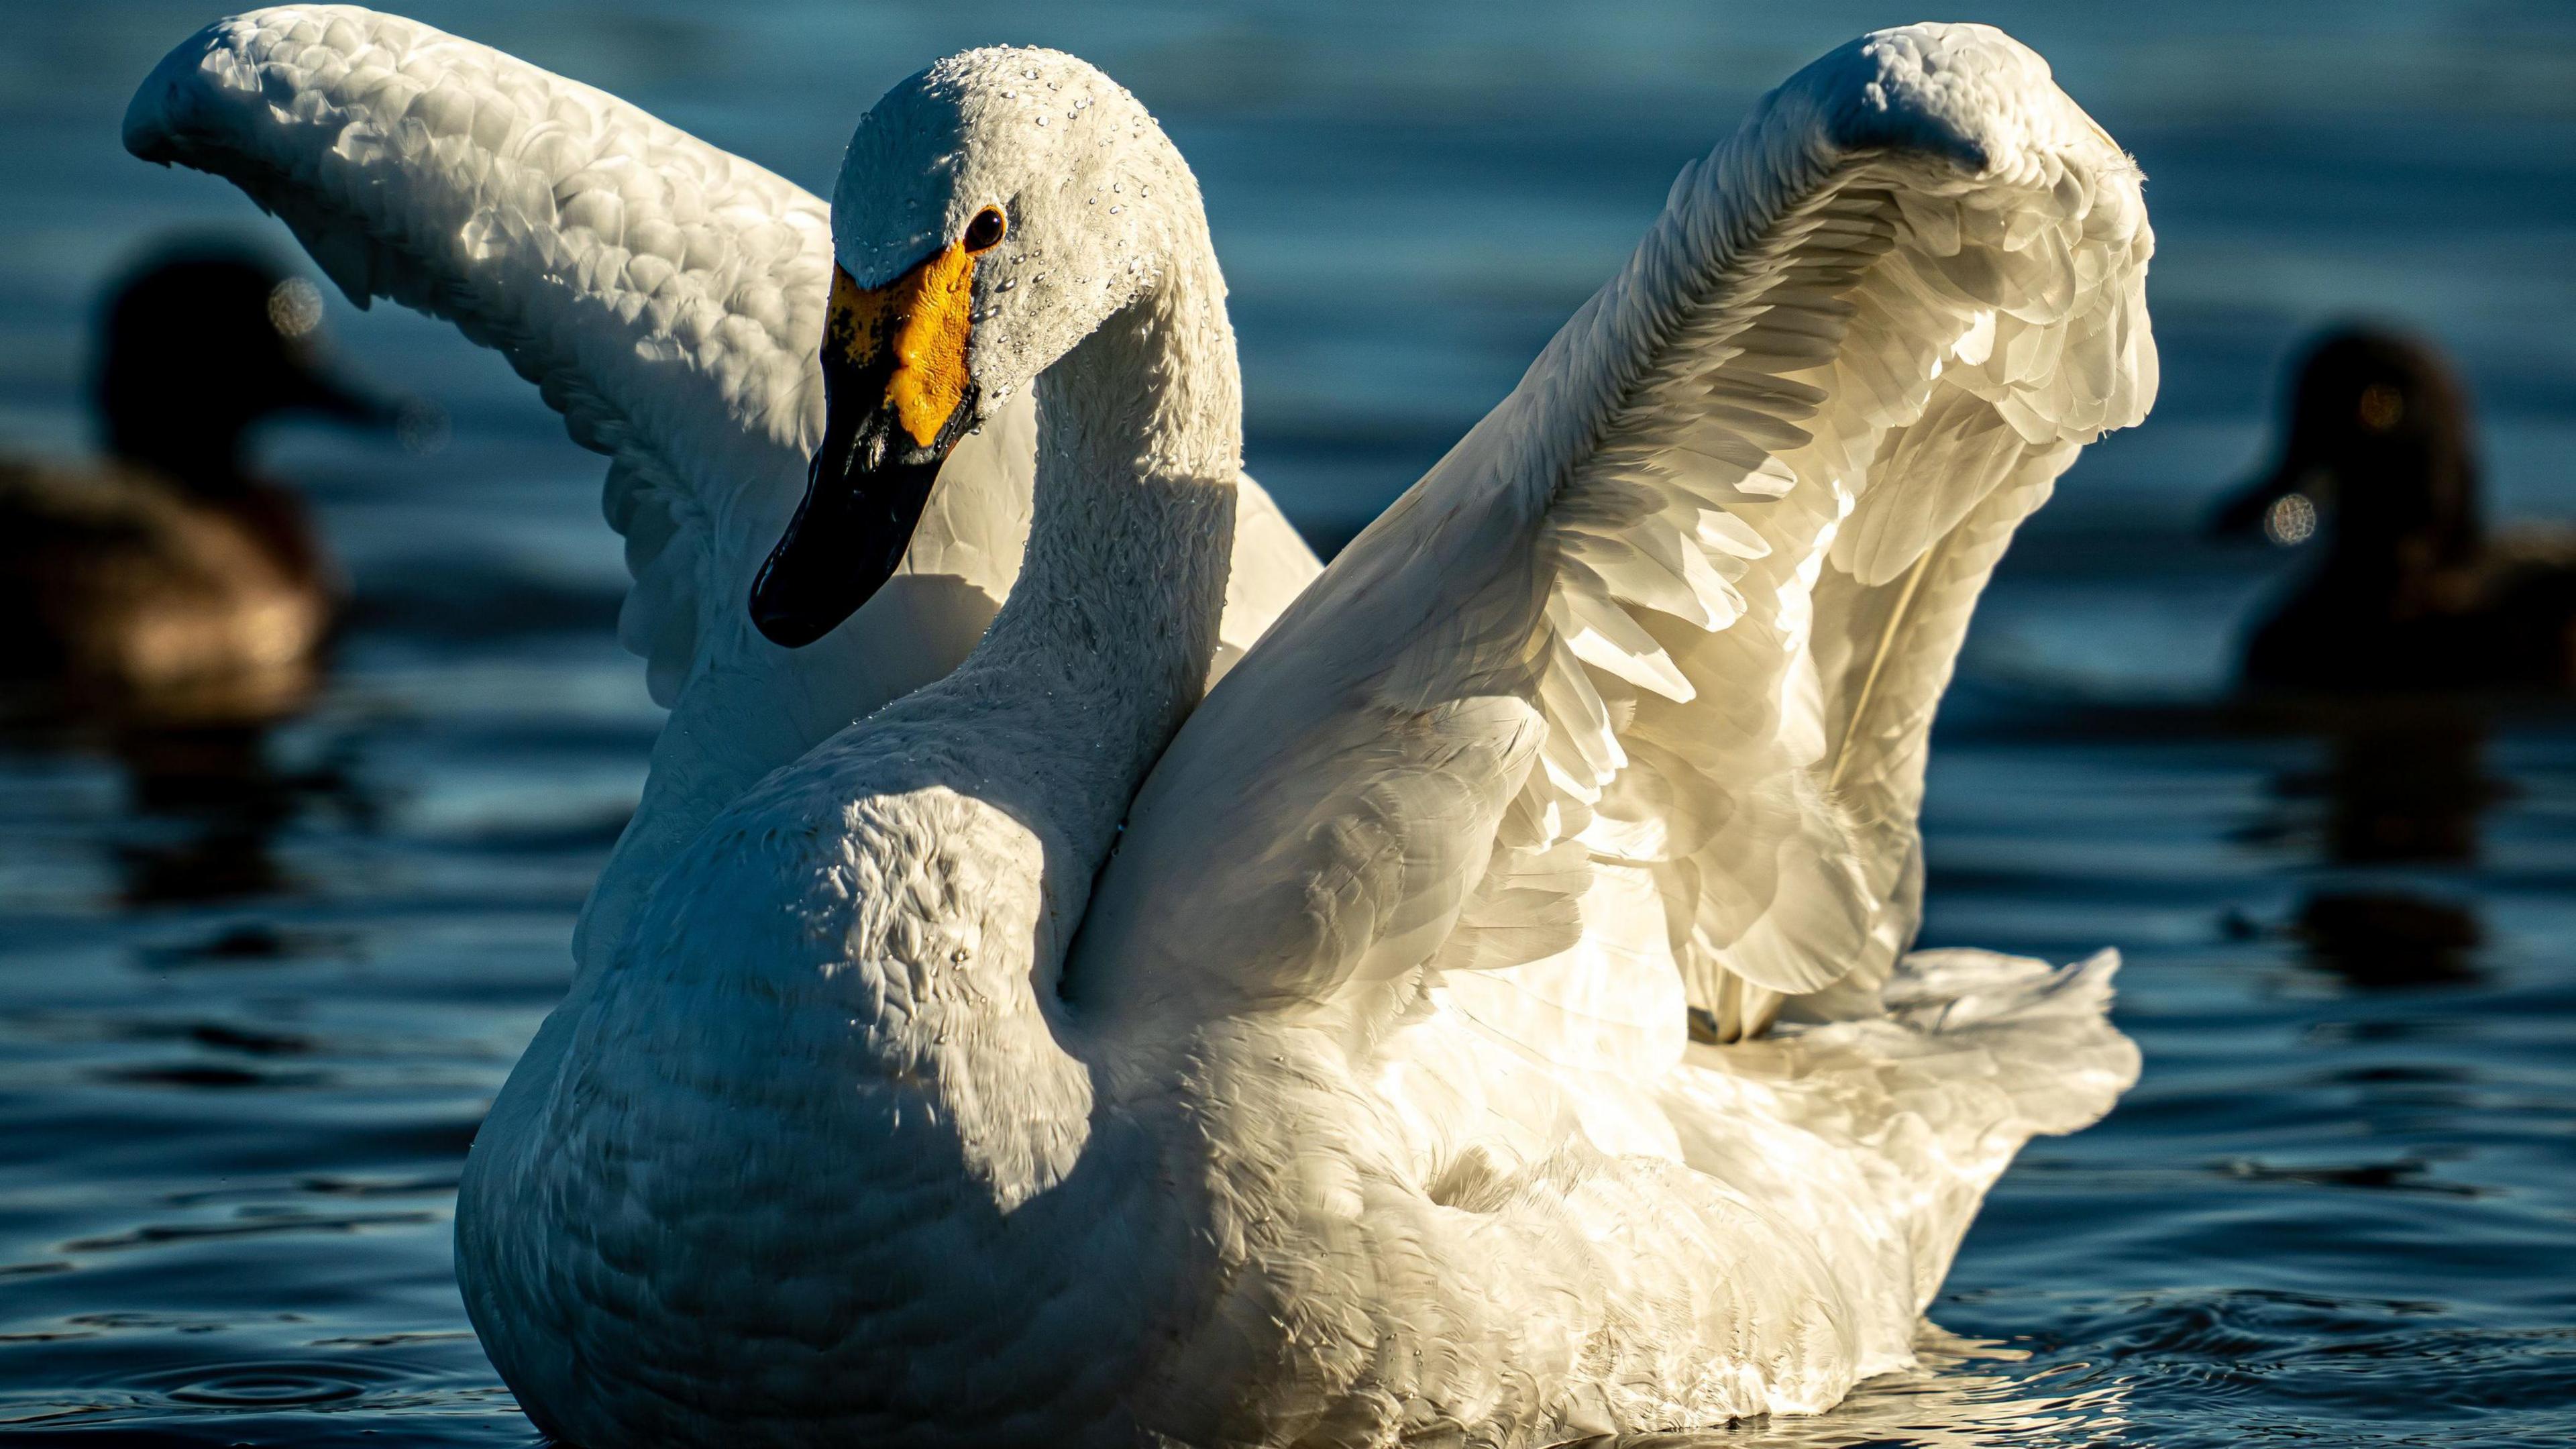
<point>1623,707</point>
<point>667,298</point>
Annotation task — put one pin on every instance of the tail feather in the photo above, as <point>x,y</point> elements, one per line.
<point>1886,1132</point>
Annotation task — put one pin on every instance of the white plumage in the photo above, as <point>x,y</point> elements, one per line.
<point>667,298</point>
<point>1482,1019</point>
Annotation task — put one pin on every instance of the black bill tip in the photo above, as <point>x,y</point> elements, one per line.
<point>847,539</point>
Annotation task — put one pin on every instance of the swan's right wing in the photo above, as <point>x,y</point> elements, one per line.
<point>667,298</point>
<point>1624,705</point>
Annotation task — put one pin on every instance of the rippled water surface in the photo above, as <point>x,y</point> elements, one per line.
<point>246,1033</point>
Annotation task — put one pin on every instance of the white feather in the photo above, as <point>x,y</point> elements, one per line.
<point>1348,1094</point>
<point>1786,320</point>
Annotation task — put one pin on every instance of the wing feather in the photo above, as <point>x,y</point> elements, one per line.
<point>1686,599</point>
<point>664,296</point>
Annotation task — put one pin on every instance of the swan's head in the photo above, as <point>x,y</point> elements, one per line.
<point>991,213</point>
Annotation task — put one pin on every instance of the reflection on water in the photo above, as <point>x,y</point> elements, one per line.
<point>2404,780</point>
<point>1959,1396</point>
<point>2390,939</point>
<point>2406,783</point>
<point>255,999</point>
<point>202,806</point>
<point>206,803</point>
<point>2323,1202</point>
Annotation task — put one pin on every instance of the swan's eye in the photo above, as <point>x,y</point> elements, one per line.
<point>985,232</point>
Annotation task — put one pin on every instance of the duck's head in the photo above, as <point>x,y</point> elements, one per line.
<point>202,342</point>
<point>992,212</point>
<point>2379,454</point>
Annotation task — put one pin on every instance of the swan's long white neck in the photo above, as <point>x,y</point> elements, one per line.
<point>1104,644</point>
<point>1004,783</point>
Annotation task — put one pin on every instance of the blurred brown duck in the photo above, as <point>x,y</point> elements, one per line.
<point>2413,594</point>
<point>166,584</point>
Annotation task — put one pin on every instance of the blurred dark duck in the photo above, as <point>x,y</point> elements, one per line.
<point>2413,594</point>
<point>167,584</point>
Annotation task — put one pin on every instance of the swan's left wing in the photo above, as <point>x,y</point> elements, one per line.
<point>1625,702</point>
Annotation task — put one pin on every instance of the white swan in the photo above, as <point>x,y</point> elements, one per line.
<point>1353,1100</point>
<point>667,298</point>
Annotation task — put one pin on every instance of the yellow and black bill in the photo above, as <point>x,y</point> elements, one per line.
<point>896,399</point>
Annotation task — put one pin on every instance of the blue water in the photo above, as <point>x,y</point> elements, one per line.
<point>243,1045</point>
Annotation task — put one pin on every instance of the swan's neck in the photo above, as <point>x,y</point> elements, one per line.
<point>1046,731</point>
<point>1104,644</point>
<point>837,1014</point>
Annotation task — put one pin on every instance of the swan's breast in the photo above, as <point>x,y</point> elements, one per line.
<point>814,1088</point>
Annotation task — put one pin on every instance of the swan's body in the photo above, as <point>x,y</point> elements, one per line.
<point>1354,1099</point>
